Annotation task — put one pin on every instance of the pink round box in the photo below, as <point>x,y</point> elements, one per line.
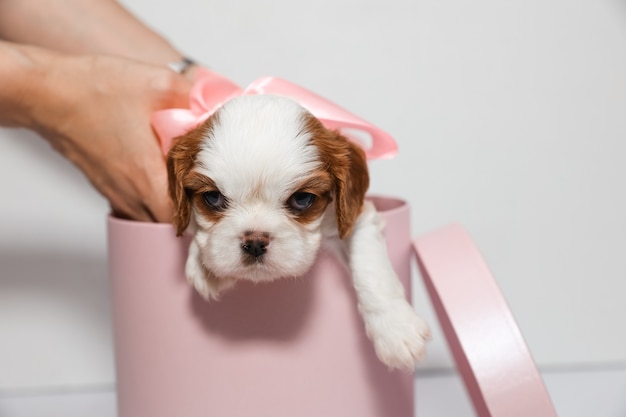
<point>294,347</point>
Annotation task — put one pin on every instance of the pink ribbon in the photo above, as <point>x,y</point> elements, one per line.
<point>212,90</point>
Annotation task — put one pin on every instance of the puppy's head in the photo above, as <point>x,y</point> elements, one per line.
<point>255,182</point>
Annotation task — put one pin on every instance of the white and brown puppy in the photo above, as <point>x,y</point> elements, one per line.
<point>261,185</point>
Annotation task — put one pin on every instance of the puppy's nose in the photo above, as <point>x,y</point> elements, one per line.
<point>255,243</point>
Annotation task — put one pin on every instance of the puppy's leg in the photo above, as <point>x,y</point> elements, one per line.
<point>203,280</point>
<point>397,332</point>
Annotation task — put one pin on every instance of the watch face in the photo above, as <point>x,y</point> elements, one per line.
<point>181,66</point>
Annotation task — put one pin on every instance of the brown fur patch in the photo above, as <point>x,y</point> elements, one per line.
<point>183,183</point>
<point>347,166</point>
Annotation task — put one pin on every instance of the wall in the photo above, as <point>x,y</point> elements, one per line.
<point>510,120</point>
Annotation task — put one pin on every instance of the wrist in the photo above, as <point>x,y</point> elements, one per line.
<point>23,71</point>
<point>53,93</point>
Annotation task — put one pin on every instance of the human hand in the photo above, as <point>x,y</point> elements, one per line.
<point>95,110</point>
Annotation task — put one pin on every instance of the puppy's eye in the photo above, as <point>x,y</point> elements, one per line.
<point>214,199</point>
<point>301,201</point>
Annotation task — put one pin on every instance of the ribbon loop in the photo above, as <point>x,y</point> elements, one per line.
<point>212,90</point>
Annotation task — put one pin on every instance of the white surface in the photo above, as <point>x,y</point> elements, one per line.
<point>510,120</point>
<point>575,393</point>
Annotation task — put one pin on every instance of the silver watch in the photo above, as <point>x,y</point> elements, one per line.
<point>181,66</point>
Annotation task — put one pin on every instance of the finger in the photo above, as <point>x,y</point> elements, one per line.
<point>151,185</point>
<point>126,206</point>
<point>159,202</point>
<point>140,214</point>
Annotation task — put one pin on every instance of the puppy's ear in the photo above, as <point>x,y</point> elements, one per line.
<point>180,162</point>
<point>347,164</point>
<point>351,176</point>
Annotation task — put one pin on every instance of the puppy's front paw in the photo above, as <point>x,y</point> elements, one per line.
<point>204,282</point>
<point>399,335</point>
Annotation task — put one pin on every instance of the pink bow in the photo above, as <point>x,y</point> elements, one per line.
<point>211,91</point>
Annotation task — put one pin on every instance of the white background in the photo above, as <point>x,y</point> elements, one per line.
<point>510,117</point>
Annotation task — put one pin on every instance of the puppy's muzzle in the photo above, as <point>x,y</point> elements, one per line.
<point>254,244</point>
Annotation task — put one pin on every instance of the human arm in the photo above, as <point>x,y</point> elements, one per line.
<point>95,110</point>
<point>84,27</point>
<point>121,156</point>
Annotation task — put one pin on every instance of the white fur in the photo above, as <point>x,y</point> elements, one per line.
<point>398,334</point>
<point>256,154</point>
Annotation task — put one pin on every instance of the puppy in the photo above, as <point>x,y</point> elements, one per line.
<point>261,186</point>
